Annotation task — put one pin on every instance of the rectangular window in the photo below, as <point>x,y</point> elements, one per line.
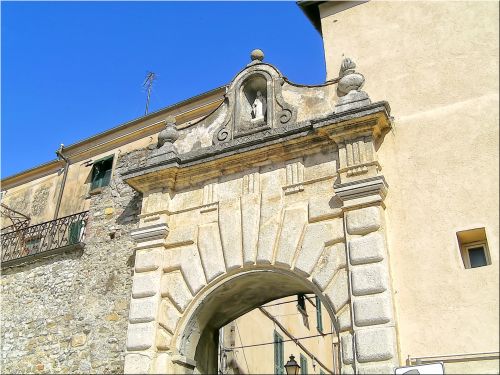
<point>474,248</point>
<point>101,173</point>
<point>319,317</point>
<point>477,255</point>
<point>279,354</point>
<point>303,365</point>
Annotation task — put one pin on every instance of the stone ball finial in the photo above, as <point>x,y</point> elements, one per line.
<point>257,54</point>
<point>170,134</point>
<point>350,80</point>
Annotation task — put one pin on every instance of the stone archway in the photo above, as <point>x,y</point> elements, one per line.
<point>228,299</point>
<point>300,194</point>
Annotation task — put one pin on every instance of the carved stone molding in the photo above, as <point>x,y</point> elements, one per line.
<point>149,233</point>
<point>259,85</point>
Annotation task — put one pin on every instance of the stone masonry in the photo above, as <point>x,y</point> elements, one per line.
<point>68,313</point>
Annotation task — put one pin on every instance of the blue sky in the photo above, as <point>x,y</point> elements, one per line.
<point>73,69</point>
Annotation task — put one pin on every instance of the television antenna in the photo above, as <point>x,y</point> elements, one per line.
<point>148,85</point>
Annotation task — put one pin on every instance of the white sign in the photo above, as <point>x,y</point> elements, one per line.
<point>431,368</point>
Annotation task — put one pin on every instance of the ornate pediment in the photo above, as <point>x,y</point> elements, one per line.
<point>254,102</point>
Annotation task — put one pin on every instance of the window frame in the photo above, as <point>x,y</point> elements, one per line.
<point>97,187</point>
<point>319,315</point>
<point>279,354</point>
<point>303,365</point>
<point>465,248</point>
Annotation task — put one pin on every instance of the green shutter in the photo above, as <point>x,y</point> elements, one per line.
<point>279,354</point>
<point>303,365</point>
<point>319,317</point>
<point>74,232</point>
<point>101,173</point>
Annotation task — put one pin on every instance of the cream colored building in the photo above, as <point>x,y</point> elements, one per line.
<point>436,63</point>
<point>381,199</point>
<point>261,341</point>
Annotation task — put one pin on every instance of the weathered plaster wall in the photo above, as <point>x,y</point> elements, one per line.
<point>256,328</point>
<point>36,199</point>
<point>68,313</point>
<point>436,63</point>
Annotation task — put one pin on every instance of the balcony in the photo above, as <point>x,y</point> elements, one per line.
<point>21,245</point>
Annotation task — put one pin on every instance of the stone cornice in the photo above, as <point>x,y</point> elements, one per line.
<point>260,148</point>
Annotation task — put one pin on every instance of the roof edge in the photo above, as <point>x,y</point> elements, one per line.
<point>52,165</point>
<point>311,10</point>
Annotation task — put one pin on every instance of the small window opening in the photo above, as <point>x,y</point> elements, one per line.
<point>101,173</point>
<point>474,248</point>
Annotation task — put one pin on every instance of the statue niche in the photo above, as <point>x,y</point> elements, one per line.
<point>253,105</point>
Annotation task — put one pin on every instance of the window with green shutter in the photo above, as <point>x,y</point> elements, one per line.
<point>303,365</point>
<point>319,317</point>
<point>74,232</point>
<point>279,354</point>
<point>101,173</point>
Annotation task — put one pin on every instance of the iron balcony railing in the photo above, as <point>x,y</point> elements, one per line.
<point>41,238</point>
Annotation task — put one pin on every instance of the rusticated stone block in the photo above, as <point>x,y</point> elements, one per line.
<point>347,354</point>
<point>363,220</point>
<point>140,336</point>
<point>344,319</point>
<point>332,259</point>
<point>168,315</point>
<point>230,232</point>
<point>163,339</point>
<point>369,279</point>
<point>315,237</point>
<point>250,215</point>
<point>188,259</point>
<point>143,309</point>
<point>367,249</point>
<point>338,292</point>
<point>210,247</point>
<point>320,208</point>
<point>174,287</point>
<point>145,284</point>
<point>294,221</point>
<point>372,310</point>
<point>373,345</point>
<point>136,363</point>
<point>183,235</point>
<point>269,224</point>
<point>147,260</point>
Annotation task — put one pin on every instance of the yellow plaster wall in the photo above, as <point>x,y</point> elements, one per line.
<point>436,63</point>
<point>256,328</point>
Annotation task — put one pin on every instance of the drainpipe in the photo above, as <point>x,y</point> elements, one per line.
<point>63,183</point>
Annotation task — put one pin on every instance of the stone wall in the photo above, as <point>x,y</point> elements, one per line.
<point>68,313</point>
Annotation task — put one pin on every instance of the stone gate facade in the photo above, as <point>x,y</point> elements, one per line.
<point>277,192</point>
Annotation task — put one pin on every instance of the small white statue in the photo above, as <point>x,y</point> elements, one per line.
<point>258,108</point>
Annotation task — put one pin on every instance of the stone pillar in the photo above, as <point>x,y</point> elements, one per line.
<point>370,347</point>
<point>145,337</point>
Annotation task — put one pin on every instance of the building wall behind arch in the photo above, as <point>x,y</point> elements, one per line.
<point>436,63</point>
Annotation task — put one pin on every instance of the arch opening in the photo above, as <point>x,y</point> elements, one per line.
<point>230,299</point>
